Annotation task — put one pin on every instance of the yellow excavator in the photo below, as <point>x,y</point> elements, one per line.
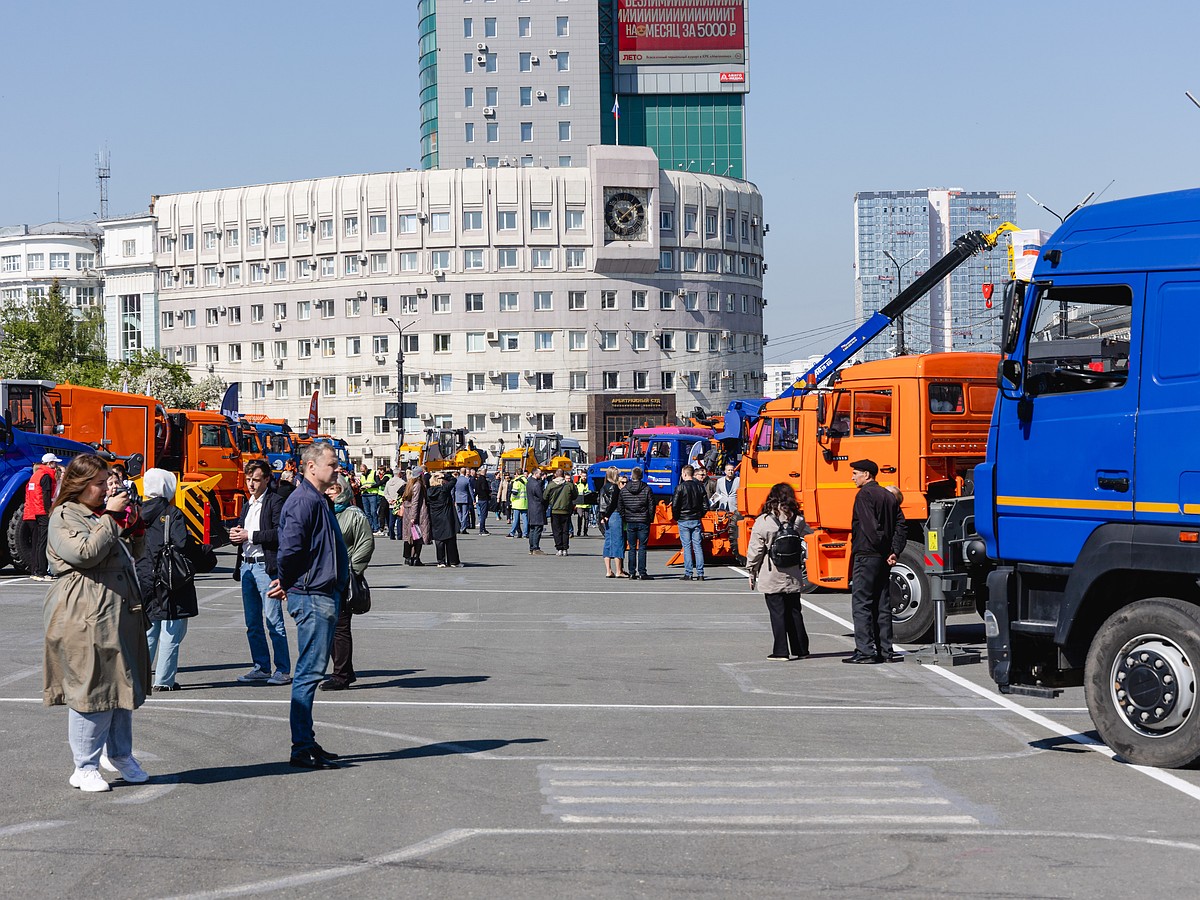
<point>446,448</point>
<point>545,450</point>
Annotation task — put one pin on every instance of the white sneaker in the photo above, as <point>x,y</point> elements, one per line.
<point>255,674</point>
<point>127,767</point>
<point>280,678</point>
<point>89,780</point>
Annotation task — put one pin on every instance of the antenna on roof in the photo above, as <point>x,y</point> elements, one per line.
<point>103,173</point>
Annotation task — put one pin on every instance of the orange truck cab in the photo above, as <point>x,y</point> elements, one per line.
<point>923,419</point>
<point>116,421</point>
<point>201,444</point>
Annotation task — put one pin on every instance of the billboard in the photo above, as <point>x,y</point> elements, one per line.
<point>670,32</point>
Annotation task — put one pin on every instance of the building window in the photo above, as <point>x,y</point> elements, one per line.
<point>60,260</point>
<point>543,258</point>
<point>668,381</point>
<point>354,346</point>
<point>233,274</point>
<point>506,220</point>
<point>666,299</point>
<point>379,306</point>
<point>439,222</point>
<point>525,62</point>
<point>543,340</point>
<point>508,301</point>
<point>564,131</point>
<point>441,303</point>
<point>510,382</point>
<point>509,341</point>
<point>377,223</point>
<point>441,343</point>
<point>524,26</point>
<point>710,224</point>
<point>637,340</point>
<point>564,162</point>
<point>328,347</point>
<point>472,260</point>
<point>408,223</point>
<point>493,132</point>
<point>474,302</point>
<point>475,342</point>
<point>468,27</point>
<point>526,132</point>
<point>666,341</point>
<point>564,61</point>
<point>472,220</point>
<point>691,342</point>
<point>489,26</point>
<point>329,385</point>
<point>576,258</point>
<point>564,95</point>
<point>544,381</point>
<point>543,301</point>
<point>577,300</point>
<point>510,422</point>
<point>443,383</point>
<point>507,258</point>
<point>281,270</point>
<point>579,381</point>
<point>608,340</point>
<point>574,220</point>
<point>328,269</point>
<point>351,264</point>
<point>639,300</point>
<point>562,26</point>
<point>611,381</point>
<point>539,219</point>
<point>474,382</point>
<point>666,260</point>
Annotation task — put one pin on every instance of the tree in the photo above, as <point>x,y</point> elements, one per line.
<point>44,337</point>
<point>150,372</point>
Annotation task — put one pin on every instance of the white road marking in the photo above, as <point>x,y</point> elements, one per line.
<point>656,707</point>
<point>770,820</point>
<point>1159,775</point>
<point>20,674</point>
<point>759,801</point>
<point>24,827</point>
<point>150,792</point>
<point>724,783</point>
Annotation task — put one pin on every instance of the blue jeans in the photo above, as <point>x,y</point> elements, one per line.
<point>395,532</point>
<point>256,604</point>
<point>690,531</point>
<point>481,511</point>
<point>637,534</point>
<point>520,523</point>
<point>172,632</point>
<point>316,618</point>
<point>535,535</point>
<point>371,508</point>
<point>88,733</point>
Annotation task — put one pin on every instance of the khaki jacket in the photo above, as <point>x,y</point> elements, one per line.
<point>96,657</point>
<point>767,578</point>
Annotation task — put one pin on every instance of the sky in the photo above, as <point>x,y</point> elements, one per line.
<point>1055,99</point>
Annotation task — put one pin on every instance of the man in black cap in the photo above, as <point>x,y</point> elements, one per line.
<point>877,536</point>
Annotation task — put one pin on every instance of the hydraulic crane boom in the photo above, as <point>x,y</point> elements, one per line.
<point>964,248</point>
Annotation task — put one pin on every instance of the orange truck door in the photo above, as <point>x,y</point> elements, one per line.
<point>862,427</point>
<point>128,430</point>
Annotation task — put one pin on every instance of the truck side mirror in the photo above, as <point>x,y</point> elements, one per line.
<point>822,409</point>
<point>133,465</point>
<point>1009,377</point>
<point>6,434</point>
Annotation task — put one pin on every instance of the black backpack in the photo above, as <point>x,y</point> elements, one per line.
<point>787,550</point>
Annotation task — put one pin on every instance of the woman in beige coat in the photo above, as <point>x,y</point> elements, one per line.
<point>781,587</point>
<point>96,660</point>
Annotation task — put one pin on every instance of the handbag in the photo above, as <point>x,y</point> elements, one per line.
<point>415,532</point>
<point>172,568</point>
<point>358,594</point>
<point>202,557</point>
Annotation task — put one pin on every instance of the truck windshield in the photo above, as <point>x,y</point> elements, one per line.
<point>214,436</point>
<point>277,443</point>
<point>1080,338</point>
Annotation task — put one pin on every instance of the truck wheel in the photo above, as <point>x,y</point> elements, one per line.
<point>912,608</point>
<point>18,540</point>
<point>1141,682</point>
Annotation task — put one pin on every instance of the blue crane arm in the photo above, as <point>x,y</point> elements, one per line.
<point>964,248</point>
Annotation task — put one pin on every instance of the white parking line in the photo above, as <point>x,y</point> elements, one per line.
<point>1163,777</point>
<point>24,827</point>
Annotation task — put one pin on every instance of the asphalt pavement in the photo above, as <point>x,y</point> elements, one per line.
<point>525,727</point>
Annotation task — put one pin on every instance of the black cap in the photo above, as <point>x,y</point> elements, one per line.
<point>865,465</point>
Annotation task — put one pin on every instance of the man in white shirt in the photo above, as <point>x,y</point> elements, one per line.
<point>257,539</point>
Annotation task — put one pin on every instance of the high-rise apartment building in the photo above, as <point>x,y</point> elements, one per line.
<point>897,235</point>
<point>534,82</point>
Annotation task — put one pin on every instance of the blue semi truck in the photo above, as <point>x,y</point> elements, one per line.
<point>1083,537</point>
<point>20,451</point>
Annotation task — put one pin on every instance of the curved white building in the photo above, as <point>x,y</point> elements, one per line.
<point>581,300</point>
<point>33,257</point>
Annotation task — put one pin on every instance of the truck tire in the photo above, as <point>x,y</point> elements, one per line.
<point>1140,682</point>
<point>912,608</point>
<point>18,539</point>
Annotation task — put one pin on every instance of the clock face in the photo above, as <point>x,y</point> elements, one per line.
<point>625,214</point>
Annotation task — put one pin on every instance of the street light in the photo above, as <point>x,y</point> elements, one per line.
<point>400,384</point>
<point>900,348</point>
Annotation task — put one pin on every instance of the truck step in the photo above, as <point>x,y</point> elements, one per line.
<point>1027,690</point>
<point>833,545</point>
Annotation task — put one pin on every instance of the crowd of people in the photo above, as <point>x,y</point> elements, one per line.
<point>122,569</point>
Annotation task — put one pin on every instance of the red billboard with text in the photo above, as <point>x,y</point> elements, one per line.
<point>665,32</point>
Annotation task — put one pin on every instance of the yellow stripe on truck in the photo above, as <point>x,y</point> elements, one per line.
<point>1066,503</point>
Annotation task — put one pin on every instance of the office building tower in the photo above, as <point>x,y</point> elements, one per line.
<point>897,235</point>
<point>535,82</point>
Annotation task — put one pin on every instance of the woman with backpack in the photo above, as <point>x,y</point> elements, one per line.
<point>775,561</point>
<point>169,593</point>
<point>360,545</point>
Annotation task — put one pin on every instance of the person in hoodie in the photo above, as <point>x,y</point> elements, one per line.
<point>636,505</point>
<point>167,610</point>
<point>360,544</point>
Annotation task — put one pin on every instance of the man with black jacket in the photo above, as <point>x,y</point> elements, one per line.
<point>257,538</point>
<point>536,496</point>
<point>636,505</point>
<point>314,568</point>
<point>483,498</point>
<point>688,506</point>
<point>877,537</point>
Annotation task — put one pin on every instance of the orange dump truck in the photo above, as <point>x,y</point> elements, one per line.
<point>923,419</point>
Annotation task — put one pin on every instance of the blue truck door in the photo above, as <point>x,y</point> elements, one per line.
<point>1065,453</point>
<point>1167,470</point>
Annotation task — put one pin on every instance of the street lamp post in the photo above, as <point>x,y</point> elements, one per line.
<point>900,348</point>
<point>400,385</point>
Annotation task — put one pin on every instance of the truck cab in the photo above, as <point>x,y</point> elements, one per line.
<point>665,450</point>
<point>923,419</point>
<point>202,444</point>
<point>1089,501</point>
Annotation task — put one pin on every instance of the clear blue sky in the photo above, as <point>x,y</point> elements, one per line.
<point>1055,99</point>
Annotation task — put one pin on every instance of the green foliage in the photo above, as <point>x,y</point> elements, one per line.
<point>45,338</point>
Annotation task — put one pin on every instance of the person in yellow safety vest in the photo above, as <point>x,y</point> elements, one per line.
<point>520,507</point>
<point>372,490</point>
<point>39,494</point>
